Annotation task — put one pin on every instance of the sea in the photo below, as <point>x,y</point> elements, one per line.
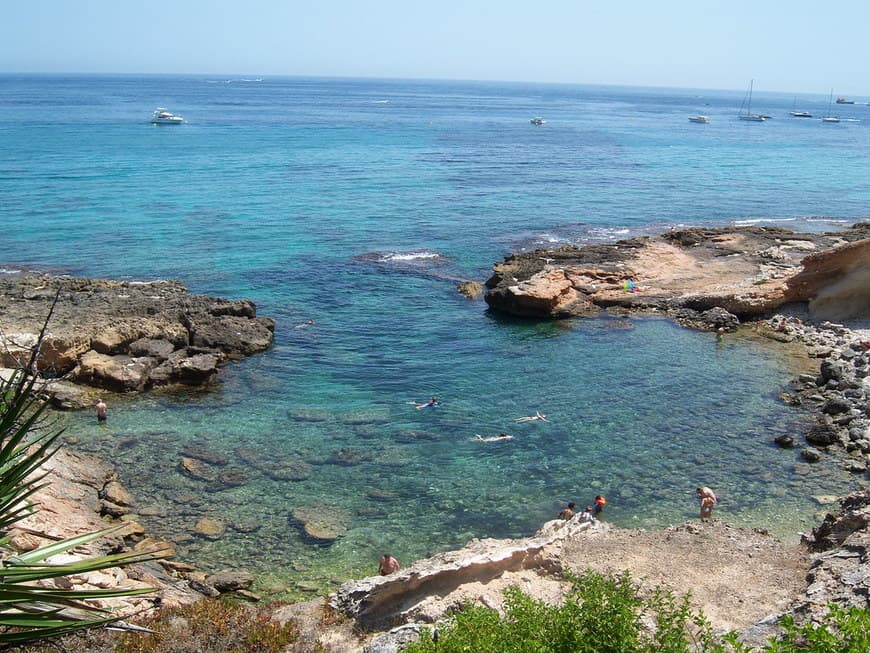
<point>349,210</point>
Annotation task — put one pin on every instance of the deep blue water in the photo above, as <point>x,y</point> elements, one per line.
<point>358,204</point>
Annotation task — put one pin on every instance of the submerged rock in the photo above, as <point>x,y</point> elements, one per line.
<point>321,524</point>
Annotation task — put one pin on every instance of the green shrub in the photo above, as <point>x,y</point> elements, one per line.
<point>605,614</point>
<point>601,614</point>
<point>844,630</point>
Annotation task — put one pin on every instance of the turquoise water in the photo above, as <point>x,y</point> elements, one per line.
<point>358,204</point>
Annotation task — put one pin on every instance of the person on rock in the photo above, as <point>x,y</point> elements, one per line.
<point>389,565</point>
<point>568,512</point>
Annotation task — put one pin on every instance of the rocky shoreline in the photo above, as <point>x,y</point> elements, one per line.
<point>788,286</point>
<point>123,336</point>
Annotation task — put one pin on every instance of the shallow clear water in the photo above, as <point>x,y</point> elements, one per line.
<point>358,205</point>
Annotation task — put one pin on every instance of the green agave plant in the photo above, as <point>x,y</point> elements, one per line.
<point>30,611</point>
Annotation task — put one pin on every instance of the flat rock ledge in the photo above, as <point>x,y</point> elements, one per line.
<point>123,336</point>
<point>416,593</point>
<point>748,272</point>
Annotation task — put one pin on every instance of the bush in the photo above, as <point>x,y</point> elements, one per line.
<point>605,614</point>
<point>601,614</point>
<point>211,625</point>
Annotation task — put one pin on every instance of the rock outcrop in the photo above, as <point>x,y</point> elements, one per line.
<point>749,272</point>
<point>840,567</point>
<point>125,336</point>
<point>414,594</point>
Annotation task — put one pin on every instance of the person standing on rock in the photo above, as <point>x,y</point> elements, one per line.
<point>102,410</point>
<point>707,500</point>
<point>389,565</point>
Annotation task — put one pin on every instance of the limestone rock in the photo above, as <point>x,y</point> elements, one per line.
<point>116,493</point>
<point>230,581</point>
<point>321,524</point>
<point>113,334</point>
<point>212,529</point>
<point>196,469</point>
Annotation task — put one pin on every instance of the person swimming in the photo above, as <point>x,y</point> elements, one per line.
<point>432,403</point>
<point>532,418</point>
<point>493,438</point>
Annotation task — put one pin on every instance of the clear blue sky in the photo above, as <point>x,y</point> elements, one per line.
<point>799,45</point>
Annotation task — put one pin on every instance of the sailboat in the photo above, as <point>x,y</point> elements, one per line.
<point>829,117</point>
<point>752,117</point>
<point>799,114</point>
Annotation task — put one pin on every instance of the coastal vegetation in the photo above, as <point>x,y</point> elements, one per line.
<point>608,614</point>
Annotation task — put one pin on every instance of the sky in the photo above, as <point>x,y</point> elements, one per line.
<point>797,46</point>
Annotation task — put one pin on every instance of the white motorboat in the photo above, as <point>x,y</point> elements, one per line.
<point>538,121</point>
<point>163,117</point>
<point>699,119</point>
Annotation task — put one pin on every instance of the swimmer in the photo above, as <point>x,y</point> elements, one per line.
<point>493,438</point>
<point>532,418</point>
<point>432,403</point>
<point>302,325</point>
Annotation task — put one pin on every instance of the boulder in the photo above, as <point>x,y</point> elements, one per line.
<point>186,368</point>
<point>209,528</point>
<point>230,581</point>
<point>233,335</point>
<point>321,524</point>
<point>116,373</point>
<point>116,493</point>
<point>156,348</point>
<point>197,469</point>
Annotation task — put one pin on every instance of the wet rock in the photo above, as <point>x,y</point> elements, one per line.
<point>811,454</point>
<point>232,477</point>
<point>836,405</point>
<point>187,367</point>
<point>230,581</point>
<point>785,441</point>
<point>321,524</point>
<point>823,435</point>
<point>471,289</point>
<point>196,469</point>
<point>113,509</point>
<point>349,456</point>
<point>289,469</point>
<point>113,491</point>
<point>204,455</point>
<point>212,529</point>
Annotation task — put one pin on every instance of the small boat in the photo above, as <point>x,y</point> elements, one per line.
<point>163,117</point>
<point>703,120</point>
<point>538,121</point>
<point>842,100</point>
<point>752,117</point>
<point>829,117</point>
<point>801,114</point>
